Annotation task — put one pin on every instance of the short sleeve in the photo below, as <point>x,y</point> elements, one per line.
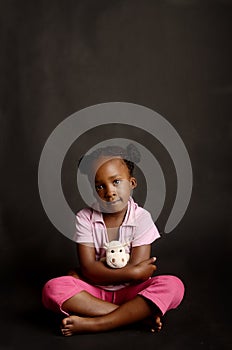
<point>145,232</point>
<point>83,233</point>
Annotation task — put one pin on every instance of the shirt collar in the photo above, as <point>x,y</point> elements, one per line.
<point>129,218</point>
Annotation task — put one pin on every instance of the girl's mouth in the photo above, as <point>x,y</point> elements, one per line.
<point>113,203</point>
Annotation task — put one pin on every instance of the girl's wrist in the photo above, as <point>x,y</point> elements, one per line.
<point>131,273</point>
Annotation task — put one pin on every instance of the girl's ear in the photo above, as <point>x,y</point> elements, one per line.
<point>133,182</point>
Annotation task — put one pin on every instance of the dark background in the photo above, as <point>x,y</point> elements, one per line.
<point>174,57</point>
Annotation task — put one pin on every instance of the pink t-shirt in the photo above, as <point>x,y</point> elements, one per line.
<point>137,229</point>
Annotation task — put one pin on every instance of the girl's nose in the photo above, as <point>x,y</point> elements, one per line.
<point>110,192</point>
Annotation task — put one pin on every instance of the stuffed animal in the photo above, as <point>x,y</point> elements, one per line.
<point>116,256</point>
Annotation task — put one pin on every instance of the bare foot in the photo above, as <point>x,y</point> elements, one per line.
<point>75,324</point>
<point>157,325</point>
<point>153,323</point>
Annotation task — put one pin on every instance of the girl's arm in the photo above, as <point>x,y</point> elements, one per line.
<point>140,267</point>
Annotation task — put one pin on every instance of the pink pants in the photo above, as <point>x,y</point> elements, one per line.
<point>166,292</point>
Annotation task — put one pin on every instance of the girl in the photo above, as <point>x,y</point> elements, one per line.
<point>100,298</point>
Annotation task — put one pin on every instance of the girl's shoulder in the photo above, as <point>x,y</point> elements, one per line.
<point>85,213</point>
<point>89,214</point>
<point>138,210</point>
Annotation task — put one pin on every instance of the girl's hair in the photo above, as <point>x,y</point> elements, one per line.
<point>130,156</point>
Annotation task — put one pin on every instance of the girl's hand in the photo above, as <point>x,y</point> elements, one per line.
<point>144,270</point>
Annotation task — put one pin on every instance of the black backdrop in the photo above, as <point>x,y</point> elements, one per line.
<point>174,57</point>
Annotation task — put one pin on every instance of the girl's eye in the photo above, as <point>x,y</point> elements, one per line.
<point>117,182</point>
<point>99,187</point>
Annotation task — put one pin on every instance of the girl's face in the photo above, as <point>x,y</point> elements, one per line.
<point>113,184</point>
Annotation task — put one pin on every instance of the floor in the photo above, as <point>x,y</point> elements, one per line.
<point>201,321</point>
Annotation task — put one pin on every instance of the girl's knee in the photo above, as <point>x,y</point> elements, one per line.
<point>55,290</point>
<point>173,285</point>
<point>56,282</point>
<point>177,289</point>
<point>56,286</point>
<point>178,286</point>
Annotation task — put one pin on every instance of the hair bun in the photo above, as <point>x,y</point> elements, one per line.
<point>133,153</point>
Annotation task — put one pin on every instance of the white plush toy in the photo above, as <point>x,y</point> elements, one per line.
<point>116,255</point>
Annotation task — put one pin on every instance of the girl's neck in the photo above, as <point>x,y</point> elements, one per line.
<point>114,219</point>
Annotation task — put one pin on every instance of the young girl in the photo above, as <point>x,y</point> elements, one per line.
<point>100,298</point>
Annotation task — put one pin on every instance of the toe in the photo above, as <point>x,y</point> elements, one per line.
<point>65,322</point>
<point>66,332</point>
<point>157,325</point>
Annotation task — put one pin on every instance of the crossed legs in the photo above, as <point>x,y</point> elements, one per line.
<point>95,315</point>
<point>89,313</point>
